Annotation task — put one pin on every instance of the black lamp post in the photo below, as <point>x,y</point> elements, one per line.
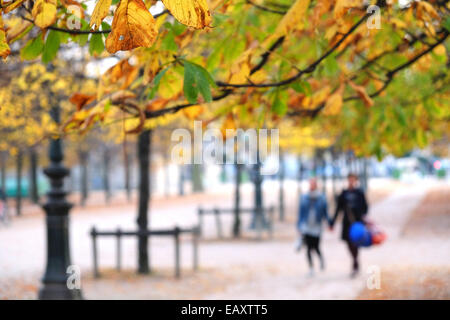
<point>57,209</point>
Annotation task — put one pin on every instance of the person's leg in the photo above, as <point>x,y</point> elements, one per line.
<point>309,248</point>
<point>317,248</point>
<point>354,252</point>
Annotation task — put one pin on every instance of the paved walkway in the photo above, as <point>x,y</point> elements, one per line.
<point>244,269</point>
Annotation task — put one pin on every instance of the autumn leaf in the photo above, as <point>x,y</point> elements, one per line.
<point>156,104</point>
<point>193,112</point>
<point>334,103</point>
<point>426,11</point>
<point>292,20</point>
<point>44,13</point>
<point>193,13</point>
<point>228,125</point>
<point>12,6</point>
<point>4,47</point>
<point>361,91</point>
<point>133,26</point>
<point>100,12</point>
<point>342,6</point>
<point>80,100</point>
<point>15,31</point>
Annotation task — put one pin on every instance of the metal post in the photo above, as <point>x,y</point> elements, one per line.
<point>218,222</point>
<point>119,249</point>
<point>177,252</point>
<point>281,190</point>
<point>94,252</point>
<point>200,221</point>
<point>271,219</point>
<point>54,282</point>
<point>195,247</point>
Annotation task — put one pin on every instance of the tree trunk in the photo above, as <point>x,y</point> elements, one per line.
<point>258,219</point>
<point>299,175</point>
<point>19,183</point>
<point>333,174</point>
<point>144,149</point>
<point>181,180</point>
<point>106,169</point>
<point>281,190</point>
<point>365,180</point>
<point>3,171</point>
<point>166,177</point>
<point>324,175</point>
<point>34,192</point>
<point>197,178</point>
<point>237,201</point>
<point>127,171</point>
<point>315,163</point>
<point>84,185</point>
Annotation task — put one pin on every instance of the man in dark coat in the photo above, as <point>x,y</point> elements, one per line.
<point>352,203</point>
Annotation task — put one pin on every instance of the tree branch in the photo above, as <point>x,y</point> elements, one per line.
<point>301,72</point>
<point>265,8</point>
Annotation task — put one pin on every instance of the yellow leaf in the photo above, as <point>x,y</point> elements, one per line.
<point>4,47</point>
<point>193,13</point>
<point>228,126</point>
<point>171,85</point>
<point>193,112</point>
<point>100,12</point>
<point>334,104</point>
<point>240,75</point>
<point>342,6</point>
<point>361,91</point>
<point>426,11</point>
<point>320,96</point>
<point>440,50</point>
<point>16,30</point>
<point>292,20</point>
<point>133,26</point>
<point>13,6</point>
<point>44,13</point>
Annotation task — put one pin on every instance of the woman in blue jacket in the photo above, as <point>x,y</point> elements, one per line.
<point>313,210</point>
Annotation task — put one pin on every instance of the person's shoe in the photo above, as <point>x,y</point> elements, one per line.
<point>311,273</point>
<point>322,265</point>
<point>354,273</point>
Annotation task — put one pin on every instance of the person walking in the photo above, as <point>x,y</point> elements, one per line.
<point>313,210</point>
<point>352,203</point>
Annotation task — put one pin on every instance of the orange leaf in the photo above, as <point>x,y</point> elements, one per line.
<point>80,100</point>
<point>133,26</point>
<point>361,91</point>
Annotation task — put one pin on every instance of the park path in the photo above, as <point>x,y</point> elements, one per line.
<point>280,274</point>
<point>267,269</point>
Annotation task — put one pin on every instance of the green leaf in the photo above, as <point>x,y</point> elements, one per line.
<point>169,43</point>
<point>331,66</point>
<point>189,86</point>
<point>219,18</point>
<point>33,48</point>
<point>446,24</point>
<point>51,46</point>
<point>279,105</point>
<point>178,28</point>
<point>105,26</point>
<point>302,87</point>
<point>156,82</point>
<point>421,138</point>
<point>401,117</point>
<point>197,79</point>
<point>96,45</point>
